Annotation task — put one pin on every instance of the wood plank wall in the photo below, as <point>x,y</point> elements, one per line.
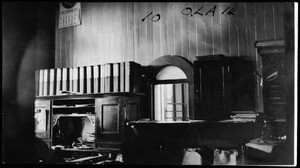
<point>114,32</point>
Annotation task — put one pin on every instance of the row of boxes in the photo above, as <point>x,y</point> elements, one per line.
<point>105,78</point>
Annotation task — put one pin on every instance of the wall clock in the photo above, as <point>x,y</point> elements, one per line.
<point>68,5</point>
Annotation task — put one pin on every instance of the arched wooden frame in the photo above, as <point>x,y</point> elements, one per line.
<point>185,65</point>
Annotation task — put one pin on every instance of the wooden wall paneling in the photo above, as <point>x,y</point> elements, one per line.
<point>241,23</point>
<point>278,15</point>
<point>259,16</point>
<point>129,32</point>
<point>137,20</point>
<point>70,43</point>
<point>91,41</point>
<point>185,32</point>
<point>65,47</point>
<point>233,45</point>
<point>200,24</point>
<point>123,17</point>
<point>84,34</point>
<point>269,20</point>
<point>139,32</point>
<point>98,18</point>
<point>106,32</point>
<point>113,32</point>
<point>163,29</point>
<point>112,44</point>
<point>149,30</point>
<point>94,35</point>
<point>116,36</point>
<point>170,28</point>
<point>192,33</point>
<point>224,31</point>
<point>120,32</point>
<point>82,37</point>
<point>85,48</point>
<point>76,61</point>
<point>208,19</point>
<point>61,49</point>
<point>156,31</point>
<point>77,44</point>
<point>250,29</point>
<point>178,37</point>
<point>142,34</point>
<point>102,34</point>
<point>57,38</point>
<point>57,43</point>
<point>85,45</point>
<point>216,37</point>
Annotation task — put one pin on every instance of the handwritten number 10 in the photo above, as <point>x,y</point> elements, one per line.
<point>153,17</point>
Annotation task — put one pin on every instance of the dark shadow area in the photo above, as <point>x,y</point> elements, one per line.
<point>28,42</point>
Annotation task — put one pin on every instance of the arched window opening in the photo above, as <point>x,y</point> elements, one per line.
<point>171,95</point>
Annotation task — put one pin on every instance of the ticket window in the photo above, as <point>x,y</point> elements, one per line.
<point>171,95</point>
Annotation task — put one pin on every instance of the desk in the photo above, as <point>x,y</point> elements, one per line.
<point>149,142</point>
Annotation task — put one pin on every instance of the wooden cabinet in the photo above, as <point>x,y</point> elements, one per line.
<point>108,113</point>
<point>274,72</point>
<point>210,78</point>
<point>222,85</point>
<point>112,113</point>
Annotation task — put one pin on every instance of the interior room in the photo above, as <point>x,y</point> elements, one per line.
<point>149,83</point>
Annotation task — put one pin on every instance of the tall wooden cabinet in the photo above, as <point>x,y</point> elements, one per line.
<point>222,85</point>
<point>273,72</point>
<point>274,69</point>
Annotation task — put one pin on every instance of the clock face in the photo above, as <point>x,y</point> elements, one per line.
<point>68,5</point>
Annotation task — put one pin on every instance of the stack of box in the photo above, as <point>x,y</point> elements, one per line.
<point>105,78</point>
<point>243,116</point>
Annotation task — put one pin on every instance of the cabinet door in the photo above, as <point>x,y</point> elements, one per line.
<point>210,77</point>
<point>109,115</point>
<point>131,109</point>
<point>223,86</point>
<point>242,85</point>
<point>42,119</point>
<point>112,113</point>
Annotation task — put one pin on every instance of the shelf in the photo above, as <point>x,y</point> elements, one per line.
<point>73,107</point>
<point>89,96</point>
<point>79,149</point>
<point>73,110</point>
